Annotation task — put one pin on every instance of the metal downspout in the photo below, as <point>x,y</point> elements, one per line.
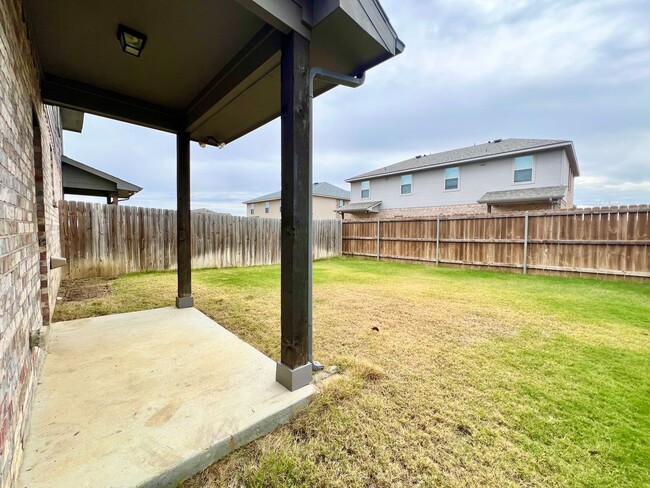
<point>335,79</point>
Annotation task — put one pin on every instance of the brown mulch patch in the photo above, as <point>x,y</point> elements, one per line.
<point>74,290</point>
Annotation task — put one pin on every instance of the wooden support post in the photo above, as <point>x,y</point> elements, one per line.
<point>378,238</point>
<point>526,243</point>
<point>437,241</point>
<point>294,370</point>
<point>183,222</point>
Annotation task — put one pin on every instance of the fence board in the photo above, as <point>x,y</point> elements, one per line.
<point>109,240</point>
<point>603,241</point>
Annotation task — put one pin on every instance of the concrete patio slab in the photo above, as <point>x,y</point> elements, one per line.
<point>147,399</point>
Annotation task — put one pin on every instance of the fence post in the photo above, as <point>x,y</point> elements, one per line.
<point>437,241</point>
<point>526,243</point>
<point>378,237</point>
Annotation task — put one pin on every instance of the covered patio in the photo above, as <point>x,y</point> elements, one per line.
<point>209,71</point>
<point>147,399</point>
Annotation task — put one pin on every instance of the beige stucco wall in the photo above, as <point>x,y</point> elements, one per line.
<point>323,208</point>
<point>257,209</point>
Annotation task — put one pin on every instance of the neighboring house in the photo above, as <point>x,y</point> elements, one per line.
<point>81,179</point>
<point>327,199</point>
<point>500,176</point>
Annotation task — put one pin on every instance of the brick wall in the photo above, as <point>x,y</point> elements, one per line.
<point>49,191</point>
<point>20,259</point>
<point>470,209</point>
<point>528,207</point>
<point>405,213</point>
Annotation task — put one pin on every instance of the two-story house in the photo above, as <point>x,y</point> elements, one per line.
<point>326,199</point>
<point>501,176</point>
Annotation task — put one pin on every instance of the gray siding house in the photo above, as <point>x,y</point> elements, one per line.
<point>500,176</point>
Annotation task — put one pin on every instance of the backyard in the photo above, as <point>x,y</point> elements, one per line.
<point>449,377</point>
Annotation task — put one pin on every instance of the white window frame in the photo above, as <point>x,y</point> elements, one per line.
<point>444,179</point>
<point>402,185</point>
<point>362,190</point>
<point>532,173</point>
<point>252,209</point>
<point>267,207</point>
<point>340,203</point>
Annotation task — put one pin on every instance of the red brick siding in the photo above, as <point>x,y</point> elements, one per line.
<point>20,270</point>
<point>414,212</point>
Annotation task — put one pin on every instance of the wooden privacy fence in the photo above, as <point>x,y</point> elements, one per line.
<point>110,240</point>
<point>607,241</point>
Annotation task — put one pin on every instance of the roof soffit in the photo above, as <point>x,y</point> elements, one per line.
<point>195,73</point>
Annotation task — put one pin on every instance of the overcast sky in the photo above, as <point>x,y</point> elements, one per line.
<point>472,71</point>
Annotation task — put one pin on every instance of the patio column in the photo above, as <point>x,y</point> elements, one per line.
<point>293,371</point>
<point>183,222</point>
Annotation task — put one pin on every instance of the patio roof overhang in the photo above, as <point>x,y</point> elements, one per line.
<point>212,71</point>
<point>210,68</point>
<point>360,207</point>
<point>524,195</point>
<point>81,179</point>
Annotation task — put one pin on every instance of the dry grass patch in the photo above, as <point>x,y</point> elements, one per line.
<point>449,377</point>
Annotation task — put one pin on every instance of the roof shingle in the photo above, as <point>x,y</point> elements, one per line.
<point>359,207</point>
<point>524,195</point>
<point>470,153</point>
<point>320,189</point>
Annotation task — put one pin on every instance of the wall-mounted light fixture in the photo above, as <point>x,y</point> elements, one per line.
<point>131,40</point>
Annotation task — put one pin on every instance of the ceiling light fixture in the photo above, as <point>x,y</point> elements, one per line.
<point>131,40</point>
<point>211,140</point>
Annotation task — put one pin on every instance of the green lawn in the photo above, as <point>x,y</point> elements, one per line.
<point>474,378</point>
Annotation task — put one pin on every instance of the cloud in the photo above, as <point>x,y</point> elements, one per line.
<point>512,42</point>
<point>473,70</point>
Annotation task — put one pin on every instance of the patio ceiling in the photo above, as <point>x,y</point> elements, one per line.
<point>209,67</point>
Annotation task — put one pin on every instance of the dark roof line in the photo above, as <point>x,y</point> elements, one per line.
<point>490,150</point>
<point>359,207</point>
<point>121,184</point>
<point>319,189</point>
<point>520,195</point>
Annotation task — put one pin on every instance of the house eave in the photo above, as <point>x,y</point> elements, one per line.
<point>370,208</point>
<point>519,200</point>
<point>120,184</point>
<point>530,195</point>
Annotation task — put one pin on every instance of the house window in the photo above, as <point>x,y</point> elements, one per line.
<point>365,189</point>
<point>523,169</point>
<point>267,207</point>
<point>341,203</point>
<point>252,209</point>
<point>407,184</point>
<point>452,178</point>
